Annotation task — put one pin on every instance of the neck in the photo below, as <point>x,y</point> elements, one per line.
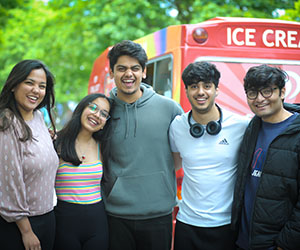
<point>130,98</point>
<point>84,145</point>
<point>84,137</point>
<point>282,115</point>
<point>27,116</point>
<point>204,118</point>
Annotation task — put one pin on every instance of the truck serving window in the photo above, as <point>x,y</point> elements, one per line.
<point>159,75</point>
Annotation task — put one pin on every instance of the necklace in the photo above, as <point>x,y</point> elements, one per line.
<point>81,152</point>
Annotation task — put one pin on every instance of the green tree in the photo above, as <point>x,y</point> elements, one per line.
<point>68,35</point>
<point>193,11</point>
<point>292,14</point>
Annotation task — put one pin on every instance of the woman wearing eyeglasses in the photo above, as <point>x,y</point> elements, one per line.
<point>80,216</point>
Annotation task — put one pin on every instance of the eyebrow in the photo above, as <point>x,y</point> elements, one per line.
<point>121,65</point>
<point>30,79</point>
<point>99,107</point>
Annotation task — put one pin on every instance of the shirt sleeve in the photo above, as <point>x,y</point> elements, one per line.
<point>13,204</point>
<point>172,137</point>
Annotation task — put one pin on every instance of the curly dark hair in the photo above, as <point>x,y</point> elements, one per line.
<point>127,48</point>
<point>200,72</point>
<point>262,76</point>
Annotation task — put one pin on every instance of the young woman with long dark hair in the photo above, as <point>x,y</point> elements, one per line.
<point>80,215</point>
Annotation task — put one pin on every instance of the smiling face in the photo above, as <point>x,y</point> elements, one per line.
<point>269,109</point>
<point>92,121</point>
<point>202,96</point>
<point>128,75</point>
<point>30,93</point>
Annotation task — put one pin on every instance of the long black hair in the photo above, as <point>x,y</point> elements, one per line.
<point>65,141</point>
<point>8,105</point>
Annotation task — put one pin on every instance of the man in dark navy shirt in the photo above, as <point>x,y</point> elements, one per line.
<point>266,201</point>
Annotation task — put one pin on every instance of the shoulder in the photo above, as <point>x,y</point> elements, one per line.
<point>11,130</point>
<point>179,121</point>
<point>10,123</point>
<point>6,116</point>
<point>229,116</point>
<point>167,101</point>
<point>37,121</point>
<point>38,115</point>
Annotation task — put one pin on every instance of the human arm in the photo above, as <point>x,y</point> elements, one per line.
<point>30,240</point>
<point>14,205</point>
<point>289,236</point>
<point>177,160</point>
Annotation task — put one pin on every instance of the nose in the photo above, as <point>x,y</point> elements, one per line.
<point>35,89</point>
<point>200,90</point>
<point>259,97</point>
<point>128,72</point>
<point>98,114</point>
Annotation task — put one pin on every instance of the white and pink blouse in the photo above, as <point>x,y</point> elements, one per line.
<point>27,171</point>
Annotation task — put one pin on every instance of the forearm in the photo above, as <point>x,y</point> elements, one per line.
<point>24,225</point>
<point>177,161</point>
<point>30,240</point>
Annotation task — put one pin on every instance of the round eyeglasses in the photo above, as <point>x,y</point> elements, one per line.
<point>95,109</point>
<point>265,92</point>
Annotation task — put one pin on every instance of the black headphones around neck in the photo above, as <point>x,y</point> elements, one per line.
<point>212,128</point>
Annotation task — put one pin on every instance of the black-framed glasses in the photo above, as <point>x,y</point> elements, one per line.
<point>95,109</point>
<point>265,92</point>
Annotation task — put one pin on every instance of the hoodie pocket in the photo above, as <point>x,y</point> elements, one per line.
<point>141,195</point>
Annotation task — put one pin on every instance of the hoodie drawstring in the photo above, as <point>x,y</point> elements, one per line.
<point>135,117</point>
<point>127,119</point>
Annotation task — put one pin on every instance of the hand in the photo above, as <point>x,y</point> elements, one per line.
<point>279,248</point>
<point>52,134</point>
<point>31,241</point>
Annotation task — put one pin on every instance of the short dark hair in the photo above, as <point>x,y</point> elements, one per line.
<point>127,48</point>
<point>200,72</point>
<point>8,106</point>
<point>65,141</point>
<point>258,77</point>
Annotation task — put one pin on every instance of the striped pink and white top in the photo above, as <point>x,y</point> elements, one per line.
<point>79,184</point>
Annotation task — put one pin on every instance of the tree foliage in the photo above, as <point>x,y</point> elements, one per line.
<point>293,14</point>
<point>68,35</point>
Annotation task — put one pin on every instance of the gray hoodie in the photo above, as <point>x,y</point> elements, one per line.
<point>140,179</point>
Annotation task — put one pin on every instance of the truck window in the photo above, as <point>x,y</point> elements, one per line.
<point>159,75</point>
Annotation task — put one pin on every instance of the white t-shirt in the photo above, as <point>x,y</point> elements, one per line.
<point>209,165</point>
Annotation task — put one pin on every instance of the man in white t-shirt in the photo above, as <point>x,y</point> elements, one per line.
<point>205,142</point>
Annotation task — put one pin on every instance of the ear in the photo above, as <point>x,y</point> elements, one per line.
<point>111,74</point>
<point>282,93</point>
<point>144,73</point>
<point>217,92</point>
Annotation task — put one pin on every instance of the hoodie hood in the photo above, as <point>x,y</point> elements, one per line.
<point>147,90</point>
<point>124,107</point>
<point>292,107</point>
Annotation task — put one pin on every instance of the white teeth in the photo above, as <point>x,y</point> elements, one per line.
<point>34,98</point>
<point>261,106</point>
<point>93,121</point>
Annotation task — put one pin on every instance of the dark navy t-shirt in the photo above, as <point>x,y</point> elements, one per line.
<point>267,133</point>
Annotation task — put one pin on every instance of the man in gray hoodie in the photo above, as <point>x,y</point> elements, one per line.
<point>139,179</point>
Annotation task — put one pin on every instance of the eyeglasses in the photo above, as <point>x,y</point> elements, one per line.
<point>95,109</point>
<point>265,92</point>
